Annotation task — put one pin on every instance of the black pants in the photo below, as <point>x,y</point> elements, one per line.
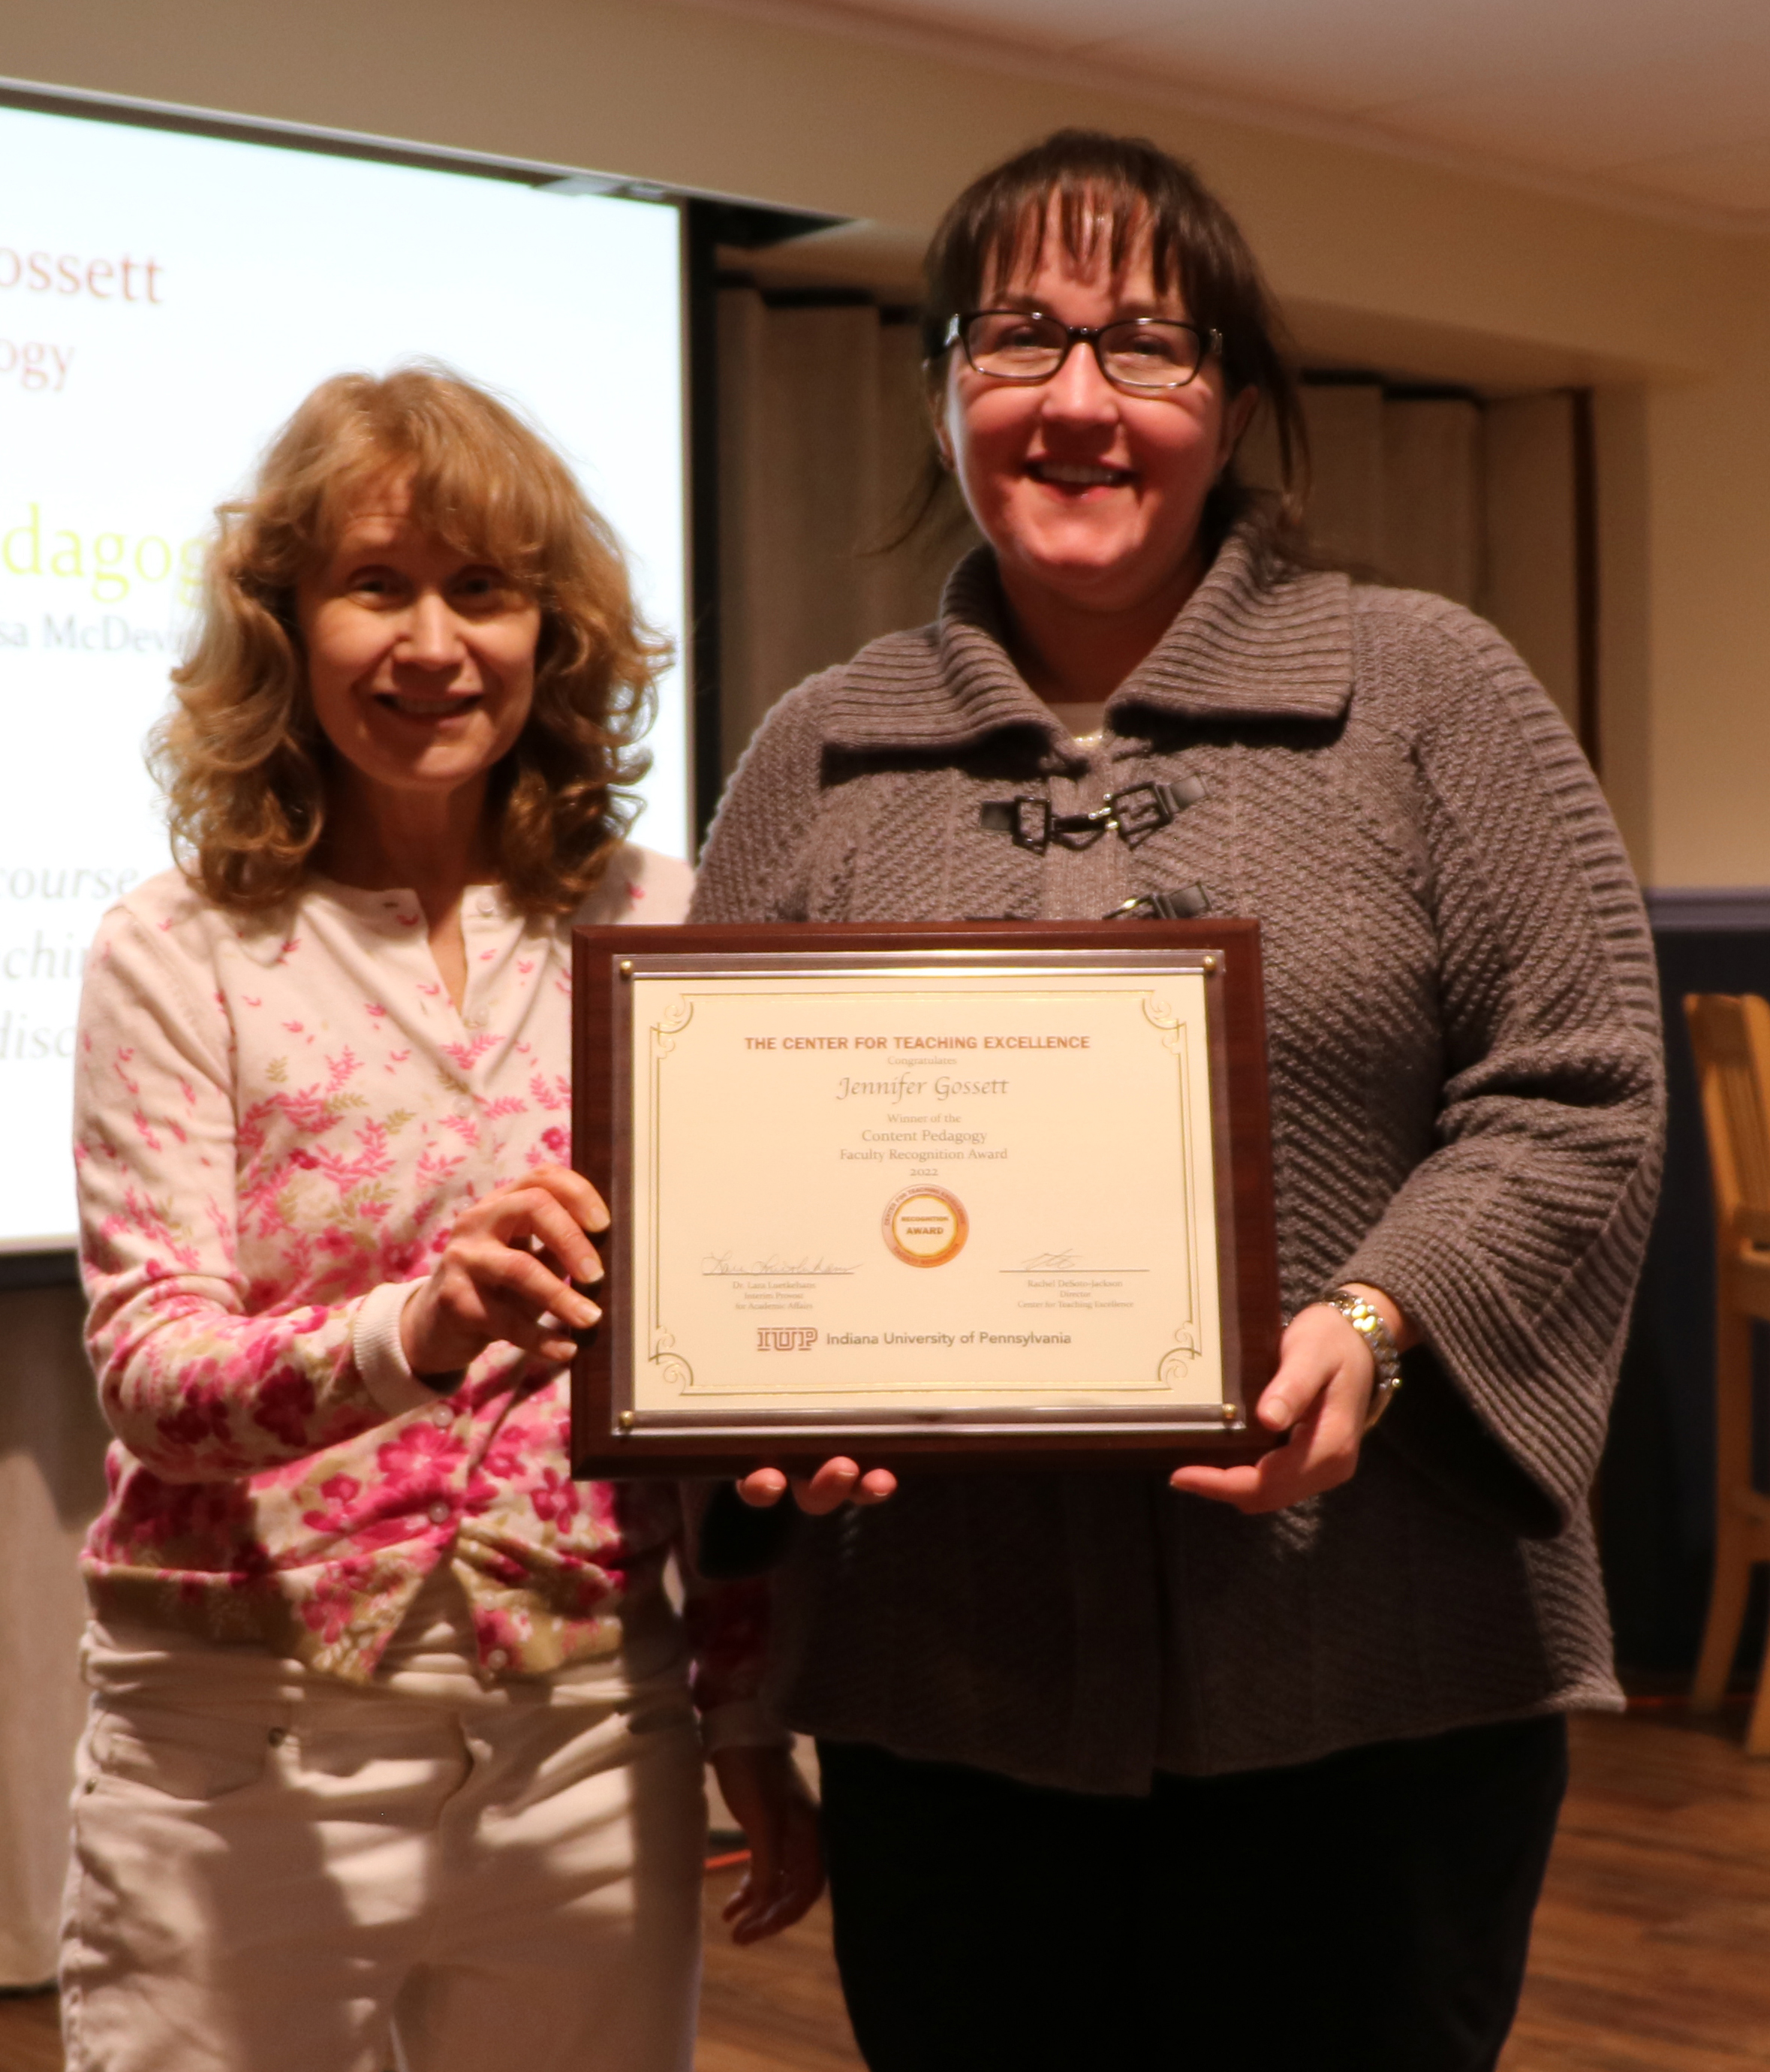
<point>1370,1912</point>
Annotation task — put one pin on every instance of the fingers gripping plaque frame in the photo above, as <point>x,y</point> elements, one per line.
<point>994,1194</point>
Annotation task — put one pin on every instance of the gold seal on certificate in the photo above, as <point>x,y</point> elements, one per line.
<point>925,1226</point>
<point>981,1192</point>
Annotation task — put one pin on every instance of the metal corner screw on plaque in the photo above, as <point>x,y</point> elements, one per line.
<point>626,1422</point>
<point>1231,1414</point>
<point>1208,962</point>
<point>625,966</point>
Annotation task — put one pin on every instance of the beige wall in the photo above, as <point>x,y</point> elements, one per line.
<point>1409,266</point>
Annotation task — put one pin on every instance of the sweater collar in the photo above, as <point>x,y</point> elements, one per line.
<point>1238,650</point>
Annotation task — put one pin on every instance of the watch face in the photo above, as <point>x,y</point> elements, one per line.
<point>1368,1324</point>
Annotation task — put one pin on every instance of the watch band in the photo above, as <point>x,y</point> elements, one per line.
<point>1367,1322</point>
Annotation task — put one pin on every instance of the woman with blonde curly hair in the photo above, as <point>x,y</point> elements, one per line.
<point>391,1740</point>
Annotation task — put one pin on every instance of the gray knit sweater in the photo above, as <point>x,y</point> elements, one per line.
<point>1464,1048</point>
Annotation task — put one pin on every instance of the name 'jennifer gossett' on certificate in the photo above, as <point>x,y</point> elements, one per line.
<point>905,1193</point>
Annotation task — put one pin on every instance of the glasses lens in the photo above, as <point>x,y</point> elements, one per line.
<point>1015,346</point>
<point>1147,354</point>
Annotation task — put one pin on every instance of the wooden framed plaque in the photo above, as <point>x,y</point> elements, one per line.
<point>996,1194</point>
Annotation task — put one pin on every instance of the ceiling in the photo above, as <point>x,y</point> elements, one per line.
<point>1665,103</point>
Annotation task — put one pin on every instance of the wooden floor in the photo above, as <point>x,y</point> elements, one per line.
<point>1652,1952</point>
<point>29,2040</point>
<point>776,2007</point>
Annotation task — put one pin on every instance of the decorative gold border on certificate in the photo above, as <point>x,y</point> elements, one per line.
<point>1175,1363</point>
<point>676,1371</point>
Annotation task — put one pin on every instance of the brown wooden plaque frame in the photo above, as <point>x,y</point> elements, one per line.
<point>609,1440</point>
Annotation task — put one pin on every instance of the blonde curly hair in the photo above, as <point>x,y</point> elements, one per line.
<point>241,757</point>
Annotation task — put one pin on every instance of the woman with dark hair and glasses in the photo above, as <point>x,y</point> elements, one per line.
<point>1258,1765</point>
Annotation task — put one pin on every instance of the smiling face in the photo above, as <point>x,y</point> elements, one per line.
<point>421,657</point>
<point>1091,495</point>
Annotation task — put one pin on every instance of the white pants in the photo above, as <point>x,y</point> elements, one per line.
<point>302,1885</point>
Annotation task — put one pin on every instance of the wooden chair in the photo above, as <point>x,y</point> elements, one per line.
<point>1731,1037</point>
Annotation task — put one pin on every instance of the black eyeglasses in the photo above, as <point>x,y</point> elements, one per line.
<point>1136,352</point>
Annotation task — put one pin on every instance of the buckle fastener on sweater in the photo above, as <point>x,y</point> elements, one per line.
<point>1133,815</point>
<point>1028,821</point>
<point>1182,904</point>
<point>1142,810</point>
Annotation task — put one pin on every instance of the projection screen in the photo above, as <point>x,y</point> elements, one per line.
<point>166,298</point>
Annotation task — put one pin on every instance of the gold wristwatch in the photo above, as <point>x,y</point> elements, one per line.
<point>1367,1322</point>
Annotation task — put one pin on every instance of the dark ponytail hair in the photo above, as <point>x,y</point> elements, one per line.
<point>1103,196</point>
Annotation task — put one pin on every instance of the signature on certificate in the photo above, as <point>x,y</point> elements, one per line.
<point>772,1262</point>
<point>1068,1261</point>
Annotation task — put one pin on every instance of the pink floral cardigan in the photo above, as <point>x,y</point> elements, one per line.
<point>277,1124</point>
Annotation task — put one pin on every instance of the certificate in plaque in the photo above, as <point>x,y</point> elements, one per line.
<point>993,1191</point>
